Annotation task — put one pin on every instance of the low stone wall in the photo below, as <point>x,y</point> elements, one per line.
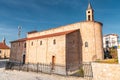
<point>103,71</point>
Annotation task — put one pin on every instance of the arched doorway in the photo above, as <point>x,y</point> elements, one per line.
<point>24,59</point>
<point>53,62</point>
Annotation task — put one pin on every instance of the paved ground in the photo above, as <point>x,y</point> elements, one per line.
<point>20,75</point>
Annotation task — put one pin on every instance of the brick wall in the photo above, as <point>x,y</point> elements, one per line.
<point>17,51</point>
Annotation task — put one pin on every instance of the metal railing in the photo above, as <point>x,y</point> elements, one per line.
<point>80,70</point>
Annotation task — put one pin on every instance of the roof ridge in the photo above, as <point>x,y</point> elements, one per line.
<point>53,34</point>
<point>4,46</point>
<point>46,35</point>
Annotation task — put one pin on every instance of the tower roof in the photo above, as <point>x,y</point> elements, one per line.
<point>3,38</point>
<point>3,46</point>
<point>89,6</point>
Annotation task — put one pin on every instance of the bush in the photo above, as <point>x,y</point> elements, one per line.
<point>113,53</point>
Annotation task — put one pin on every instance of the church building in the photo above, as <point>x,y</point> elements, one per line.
<point>71,44</point>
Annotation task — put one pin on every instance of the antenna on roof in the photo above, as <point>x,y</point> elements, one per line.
<point>19,31</point>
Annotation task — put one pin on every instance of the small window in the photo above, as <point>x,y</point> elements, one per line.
<point>86,44</point>
<point>4,55</point>
<point>40,42</point>
<point>19,43</point>
<point>31,43</point>
<point>13,45</point>
<point>107,42</point>
<point>54,41</point>
<point>24,45</point>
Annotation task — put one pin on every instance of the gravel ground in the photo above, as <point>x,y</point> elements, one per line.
<point>19,75</point>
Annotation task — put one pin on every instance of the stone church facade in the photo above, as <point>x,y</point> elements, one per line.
<point>70,44</point>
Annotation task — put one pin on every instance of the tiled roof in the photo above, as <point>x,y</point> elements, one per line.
<point>19,40</point>
<point>3,46</point>
<point>44,36</point>
<point>111,34</point>
<point>51,35</point>
<point>32,32</point>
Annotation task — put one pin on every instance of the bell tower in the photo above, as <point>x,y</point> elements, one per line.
<point>89,13</point>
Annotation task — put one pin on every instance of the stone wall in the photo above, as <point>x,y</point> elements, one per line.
<point>102,71</point>
<point>90,32</point>
<point>43,53</point>
<point>17,51</point>
<point>73,49</point>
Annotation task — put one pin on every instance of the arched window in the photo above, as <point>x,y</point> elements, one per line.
<point>31,43</point>
<point>86,44</point>
<point>89,17</point>
<point>40,42</point>
<point>54,41</point>
<point>24,45</point>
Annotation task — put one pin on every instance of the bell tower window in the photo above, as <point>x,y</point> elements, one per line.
<point>88,17</point>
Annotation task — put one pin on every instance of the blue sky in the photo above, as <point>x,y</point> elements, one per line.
<point>45,14</point>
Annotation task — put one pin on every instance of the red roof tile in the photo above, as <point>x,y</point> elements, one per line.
<point>19,40</point>
<point>45,36</point>
<point>32,32</point>
<point>3,46</point>
<point>51,35</point>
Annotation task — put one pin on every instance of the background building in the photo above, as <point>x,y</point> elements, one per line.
<point>4,50</point>
<point>110,40</point>
<point>18,50</point>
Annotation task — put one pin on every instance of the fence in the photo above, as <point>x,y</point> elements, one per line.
<point>40,67</point>
<point>79,70</point>
<point>88,73</point>
<point>2,62</point>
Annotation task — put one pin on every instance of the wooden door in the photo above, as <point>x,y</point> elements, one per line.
<point>53,62</point>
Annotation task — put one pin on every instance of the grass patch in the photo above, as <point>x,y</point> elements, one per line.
<point>79,73</point>
<point>110,61</point>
